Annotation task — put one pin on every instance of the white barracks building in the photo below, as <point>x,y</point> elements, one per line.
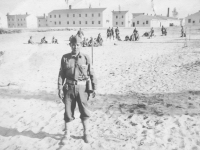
<point>87,17</point>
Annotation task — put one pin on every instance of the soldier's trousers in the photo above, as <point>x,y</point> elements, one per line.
<point>75,94</point>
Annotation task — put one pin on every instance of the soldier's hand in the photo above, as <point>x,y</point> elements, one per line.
<point>93,94</point>
<point>60,94</point>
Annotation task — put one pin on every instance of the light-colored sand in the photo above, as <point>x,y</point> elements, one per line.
<point>148,95</point>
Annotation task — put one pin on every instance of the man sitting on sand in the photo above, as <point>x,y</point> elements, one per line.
<point>151,33</point>
<point>136,36</point>
<point>99,40</point>
<point>90,42</point>
<point>43,41</point>
<point>127,38</point>
<point>30,41</point>
<point>56,41</point>
<point>132,37</point>
<point>84,43</point>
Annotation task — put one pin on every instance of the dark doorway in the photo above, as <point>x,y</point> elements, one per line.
<point>133,24</point>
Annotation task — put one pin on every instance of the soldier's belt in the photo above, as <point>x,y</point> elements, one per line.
<point>76,82</point>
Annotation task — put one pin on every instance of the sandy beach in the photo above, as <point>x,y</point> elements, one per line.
<point>148,95</point>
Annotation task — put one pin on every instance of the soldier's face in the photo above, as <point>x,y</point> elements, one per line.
<point>75,48</point>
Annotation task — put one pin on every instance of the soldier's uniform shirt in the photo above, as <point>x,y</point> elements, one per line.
<point>75,93</point>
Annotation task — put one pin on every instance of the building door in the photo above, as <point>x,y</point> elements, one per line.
<point>133,24</point>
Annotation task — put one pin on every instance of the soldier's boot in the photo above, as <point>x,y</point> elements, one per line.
<point>66,130</point>
<point>86,135</point>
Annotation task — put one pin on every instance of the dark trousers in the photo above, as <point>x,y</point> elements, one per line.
<point>75,94</point>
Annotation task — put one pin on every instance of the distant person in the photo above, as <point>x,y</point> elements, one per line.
<point>164,31</point>
<point>30,40</point>
<point>90,43</point>
<point>151,34</point>
<point>80,33</point>
<point>132,37</point>
<point>53,40</point>
<point>43,41</point>
<point>135,30</point>
<point>56,41</point>
<point>117,33</point>
<point>136,36</point>
<point>112,33</point>
<point>99,39</point>
<point>183,34</point>
<point>127,38</point>
<point>84,43</point>
<point>109,33</point>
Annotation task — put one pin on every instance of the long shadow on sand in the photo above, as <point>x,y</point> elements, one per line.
<point>6,132</point>
<point>186,102</point>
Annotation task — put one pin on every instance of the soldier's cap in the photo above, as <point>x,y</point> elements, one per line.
<point>75,39</point>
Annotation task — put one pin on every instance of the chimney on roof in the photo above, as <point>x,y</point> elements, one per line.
<point>70,6</point>
<point>168,13</point>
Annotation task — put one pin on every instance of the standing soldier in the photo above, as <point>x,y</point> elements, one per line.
<point>80,33</point>
<point>74,74</point>
<point>109,33</point>
<point>112,33</point>
<point>117,33</point>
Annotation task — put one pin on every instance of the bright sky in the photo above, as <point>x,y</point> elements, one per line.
<point>184,7</point>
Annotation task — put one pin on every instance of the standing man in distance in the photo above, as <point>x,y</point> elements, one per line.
<point>75,70</point>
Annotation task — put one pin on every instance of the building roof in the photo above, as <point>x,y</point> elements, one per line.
<point>148,17</point>
<point>19,15</point>
<point>78,10</point>
<point>137,14</point>
<point>118,12</point>
<point>166,18</point>
<point>195,14</point>
<point>41,17</point>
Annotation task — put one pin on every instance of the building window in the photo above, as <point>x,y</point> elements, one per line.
<point>73,22</point>
<point>85,15</point>
<point>122,16</point>
<point>189,20</point>
<point>92,15</point>
<point>99,15</point>
<point>18,19</point>
<point>79,22</point>
<point>59,16</point>
<point>39,25</point>
<point>99,22</point>
<point>55,23</point>
<point>54,16</point>
<point>67,15</point>
<point>21,24</point>
<point>116,23</point>
<point>116,16</point>
<point>85,22</point>
<point>50,16</point>
<point>138,22</point>
<point>122,23</point>
<point>67,22</point>
<point>21,19</point>
<point>59,22</point>
<point>39,20</point>
<point>92,22</point>
<point>12,19</point>
<point>73,15</point>
<point>24,19</point>
<point>147,22</point>
<point>193,21</point>
<point>79,15</point>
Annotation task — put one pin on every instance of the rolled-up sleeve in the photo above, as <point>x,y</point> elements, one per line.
<point>61,77</point>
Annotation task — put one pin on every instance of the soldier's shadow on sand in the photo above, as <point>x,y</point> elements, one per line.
<point>7,132</point>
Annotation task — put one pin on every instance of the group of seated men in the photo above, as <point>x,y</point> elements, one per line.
<point>43,41</point>
<point>96,42</point>
<point>134,36</point>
